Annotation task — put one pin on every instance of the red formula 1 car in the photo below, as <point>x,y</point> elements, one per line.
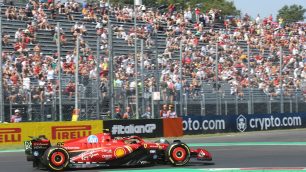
<point>101,150</point>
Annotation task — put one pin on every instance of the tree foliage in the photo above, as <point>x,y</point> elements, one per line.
<point>227,7</point>
<point>292,13</point>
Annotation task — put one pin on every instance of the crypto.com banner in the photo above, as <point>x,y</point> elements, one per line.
<point>14,134</point>
<point>242,123</point>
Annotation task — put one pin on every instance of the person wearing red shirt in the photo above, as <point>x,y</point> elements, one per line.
<point>197,13</point>
<point>14,78</point>
<point>70,89</point>
<point>36,69</point>
<point>16,117</point>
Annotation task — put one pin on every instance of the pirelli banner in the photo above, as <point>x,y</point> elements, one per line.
<point>15,133</point>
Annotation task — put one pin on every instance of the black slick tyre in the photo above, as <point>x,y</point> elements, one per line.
<point>56,158</point>
<point>178,154</point>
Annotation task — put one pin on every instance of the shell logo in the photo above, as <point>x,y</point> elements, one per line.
<point>119,152</point>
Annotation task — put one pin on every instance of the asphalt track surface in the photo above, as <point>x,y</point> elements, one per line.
<point>287,151</point>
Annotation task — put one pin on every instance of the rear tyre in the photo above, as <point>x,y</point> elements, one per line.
<point>56,158</point>
<point>178,154</point>
<point>30,158</point>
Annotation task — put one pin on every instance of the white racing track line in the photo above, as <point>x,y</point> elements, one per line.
<point>12,151</point>
<point>221,169</point>
<point>182,169</point>
<point>257,169</point>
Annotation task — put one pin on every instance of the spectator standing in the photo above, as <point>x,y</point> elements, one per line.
<point>147,114</point>
<point>49,91</point>
<point>178,88</point>
<point>117,112</point>
<point>127,114</point>
<point>70,89</point>
<point>171,112</point>
<point>16,117</point>
<point>164,112</point>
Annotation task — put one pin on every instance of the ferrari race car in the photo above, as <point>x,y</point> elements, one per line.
<point>102,150</point>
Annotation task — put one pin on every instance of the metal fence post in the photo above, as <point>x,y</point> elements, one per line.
<point>203,105</point>
<point>217,83</point>
<point>291,106</point>
<point>152,105</point>
<point>270,105</point>
<point>42,112</point>
<point>77,58</point>
<point>136,62</point>
<point>110,73</point>
<point>30,110</point>
<point>157,74</point>
<point>2,118</point>
<point>59,59</point>
<point>142,78</point>
<point>11,111</point>
<point>281,80</point>
<point>225,102</point>
<point>249,78</point>
<point>54,108</point>
<point>296,102</point>
<point>181,79</point>
<point>98,78</point>
<point>236,107</point>
<point>252,101</point>
<point>186,105</point>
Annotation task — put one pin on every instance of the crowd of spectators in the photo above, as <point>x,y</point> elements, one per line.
<point>264,37</point>
<point>192,29</point>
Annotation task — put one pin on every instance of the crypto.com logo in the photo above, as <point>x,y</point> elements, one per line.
<point>241,123</point>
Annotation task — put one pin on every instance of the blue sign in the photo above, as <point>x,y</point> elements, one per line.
<point>242,123</point>
<point>92,139</point>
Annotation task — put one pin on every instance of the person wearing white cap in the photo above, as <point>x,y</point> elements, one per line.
<point>16,117</point>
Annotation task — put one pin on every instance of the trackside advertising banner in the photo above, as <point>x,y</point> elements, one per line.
<point>16,133</point>
<point>139,127</point>
<point>206,124</point>
<point>242,123</point>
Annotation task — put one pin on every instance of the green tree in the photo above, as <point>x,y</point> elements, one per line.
<point>227,7</point>
<point>292,13</point>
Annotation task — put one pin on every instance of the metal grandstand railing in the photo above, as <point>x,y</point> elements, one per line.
<point>207,96</point>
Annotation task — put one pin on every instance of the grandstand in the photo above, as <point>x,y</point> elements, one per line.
<point>242,86</point>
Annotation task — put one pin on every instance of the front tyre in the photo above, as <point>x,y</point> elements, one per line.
<point>56,158</point>
<point>178,154</point>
